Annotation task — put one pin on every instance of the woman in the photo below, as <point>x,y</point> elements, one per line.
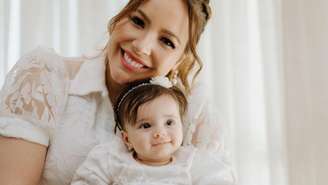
<point>54,109</point>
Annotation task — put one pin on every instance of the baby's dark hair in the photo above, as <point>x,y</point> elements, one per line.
<point>126,108</point>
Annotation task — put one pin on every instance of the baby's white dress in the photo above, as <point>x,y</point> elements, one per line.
<point>105,166</point>
<point>63,103</point>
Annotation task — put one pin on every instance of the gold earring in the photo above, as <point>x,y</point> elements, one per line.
<point>175,77</point>
<point>130,147</point>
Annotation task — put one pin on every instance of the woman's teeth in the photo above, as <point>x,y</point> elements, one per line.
<point>132,62</point>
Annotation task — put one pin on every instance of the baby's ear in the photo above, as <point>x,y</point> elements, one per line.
<point>125,139</point>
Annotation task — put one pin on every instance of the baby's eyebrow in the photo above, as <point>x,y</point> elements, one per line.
<point>143,120</point>
<point>171,116</point>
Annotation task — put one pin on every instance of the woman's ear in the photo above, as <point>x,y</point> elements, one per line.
<point>126,141</point>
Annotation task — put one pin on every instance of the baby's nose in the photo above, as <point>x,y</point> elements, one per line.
<point>159,134</point>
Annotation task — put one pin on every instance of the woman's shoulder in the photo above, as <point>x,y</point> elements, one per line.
<point>50,59</point>
<point>43,76</point>
<point>41,67</point>
<point>198,99</point>
<point>33,96</point>
<point>42,56</point>
<point>199,90</point>
<point>47,65</point>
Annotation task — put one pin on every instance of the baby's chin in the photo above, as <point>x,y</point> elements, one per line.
<point>155,159</point>
<point>164,157</point>
<point>158,162</point>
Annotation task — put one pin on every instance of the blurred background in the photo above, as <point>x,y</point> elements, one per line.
<point>266,67</point>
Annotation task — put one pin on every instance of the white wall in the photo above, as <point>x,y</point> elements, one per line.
<point>305,26</point>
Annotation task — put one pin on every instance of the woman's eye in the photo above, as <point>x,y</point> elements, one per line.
<point>145,125</point>
<point>137,21</point>
<point>170,122</point>
<point>168,42</point>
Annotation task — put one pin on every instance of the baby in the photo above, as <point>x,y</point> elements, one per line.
<point>150,119</point>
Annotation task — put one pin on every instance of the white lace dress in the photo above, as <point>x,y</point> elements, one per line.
<point>63,103</point>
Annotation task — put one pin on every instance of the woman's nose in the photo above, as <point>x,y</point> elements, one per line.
<point>143,44</point>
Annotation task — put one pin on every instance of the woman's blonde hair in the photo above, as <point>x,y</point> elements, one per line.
<point>199,12</point>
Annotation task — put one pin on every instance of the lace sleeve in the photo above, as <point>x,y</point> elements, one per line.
<point>207,131</point>
<point>33,96</point>
<point>204,127</point>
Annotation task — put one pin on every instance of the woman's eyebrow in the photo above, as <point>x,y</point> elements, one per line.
<point>164,30</point>
<point>144,15</point>
<point>172,35</point>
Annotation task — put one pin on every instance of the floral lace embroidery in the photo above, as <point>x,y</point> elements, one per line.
<point>34,88</point>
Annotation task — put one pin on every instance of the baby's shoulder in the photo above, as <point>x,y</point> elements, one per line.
<point>114,150</point>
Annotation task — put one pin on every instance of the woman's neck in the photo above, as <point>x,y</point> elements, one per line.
<point>114,89</point>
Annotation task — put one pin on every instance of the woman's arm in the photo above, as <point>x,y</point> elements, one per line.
<point>21,162</point>
<point>31,101</point>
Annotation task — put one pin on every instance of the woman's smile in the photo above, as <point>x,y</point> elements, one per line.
<point>132,63</point>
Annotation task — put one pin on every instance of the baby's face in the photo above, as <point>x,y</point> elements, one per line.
<point>157,133</point>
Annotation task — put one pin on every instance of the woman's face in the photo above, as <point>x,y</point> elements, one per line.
<point>148,42</point>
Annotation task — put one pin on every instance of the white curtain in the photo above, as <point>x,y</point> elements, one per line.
<point>242,49</point>
<point>243,66</point>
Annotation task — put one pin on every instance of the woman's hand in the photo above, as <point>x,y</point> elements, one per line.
<point>21,162</point>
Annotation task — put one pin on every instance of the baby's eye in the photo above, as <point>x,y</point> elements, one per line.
<point>170,122</point>
<point>137,21</point>
<point>167,42</point>
<point>145,126</point>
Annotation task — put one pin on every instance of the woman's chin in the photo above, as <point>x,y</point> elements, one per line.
<point>121,81</point>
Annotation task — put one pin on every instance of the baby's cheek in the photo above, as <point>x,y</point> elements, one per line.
<point>178,137</point>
